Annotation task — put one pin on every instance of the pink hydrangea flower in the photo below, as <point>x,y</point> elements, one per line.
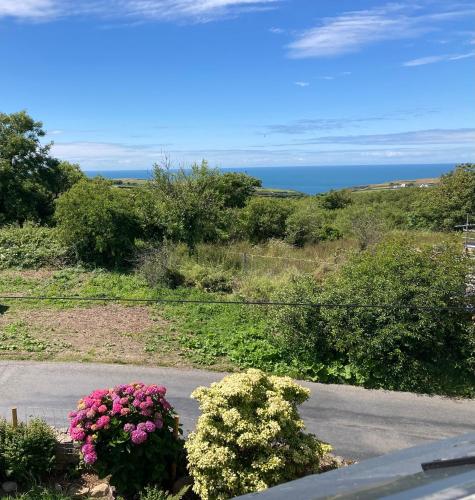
<point>138,436</point>
<point>77,433</point>
<point>90,458</point>
<point>129,427</point>
<point>149,426</point>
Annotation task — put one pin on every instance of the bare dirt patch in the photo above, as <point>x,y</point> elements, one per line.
<point>38,274</point>
<point>107,333</point>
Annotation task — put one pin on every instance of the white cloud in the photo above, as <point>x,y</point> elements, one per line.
<point>302,84</point>
<point>440,58</point>
<point>192,10</point>
<point>351,31</point>
<point>28,9</point>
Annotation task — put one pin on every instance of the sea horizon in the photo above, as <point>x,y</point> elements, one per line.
<point>312,179</point>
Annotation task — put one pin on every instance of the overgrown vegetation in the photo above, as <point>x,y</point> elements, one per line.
<point>203,235</point>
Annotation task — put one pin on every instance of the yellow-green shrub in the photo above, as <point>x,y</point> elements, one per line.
<point>250,436</point>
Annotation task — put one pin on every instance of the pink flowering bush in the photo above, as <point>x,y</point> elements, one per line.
<point>127,432</point>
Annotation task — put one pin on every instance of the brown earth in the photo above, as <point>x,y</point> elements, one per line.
<point>107,333</point>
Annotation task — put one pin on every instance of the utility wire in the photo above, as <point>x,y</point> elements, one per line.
<point>236,302</point>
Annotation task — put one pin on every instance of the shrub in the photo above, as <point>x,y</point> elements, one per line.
<point>365,224</point>
<point>27,452</point>
<point>97,221</point>
<point>127,432</point>
<point>264,218</point>
<point>209,279</point>
<point>309,224</point>
<point>158,267</point>
<point>153,493</point>
<point>38,493</point>
<point>30,246</point>
<point>424,340</point>
<point>250,436</point>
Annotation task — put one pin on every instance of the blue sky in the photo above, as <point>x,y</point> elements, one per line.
<point>120,83</point>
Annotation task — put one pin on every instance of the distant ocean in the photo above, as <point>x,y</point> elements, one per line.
<point>316,179</point>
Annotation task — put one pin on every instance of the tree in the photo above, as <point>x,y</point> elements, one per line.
<point>236,188</point>
<point>30,179</point>
<point>98,222</point>
<point>190,203</point>
<point>334,200</point>
<point>448,204</point>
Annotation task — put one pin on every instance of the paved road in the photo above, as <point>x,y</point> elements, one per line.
<point>358,422</point>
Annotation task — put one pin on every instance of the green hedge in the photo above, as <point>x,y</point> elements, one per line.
<point>30,246</point>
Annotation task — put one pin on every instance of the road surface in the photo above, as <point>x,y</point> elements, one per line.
<point>359,423</point>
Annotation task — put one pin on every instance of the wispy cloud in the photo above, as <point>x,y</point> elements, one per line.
<point>421,61</point>
<point>302,84</point>
<point>417,137</point>
<point>191,10</point>
<point>306,125</point>
<point>351,31</point>
<point>28,9</point>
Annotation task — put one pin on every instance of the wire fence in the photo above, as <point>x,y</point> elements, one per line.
<point>395,306</point>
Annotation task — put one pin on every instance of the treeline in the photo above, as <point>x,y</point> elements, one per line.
<point>104,225</point>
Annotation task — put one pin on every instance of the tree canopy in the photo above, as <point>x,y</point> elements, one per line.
<point>30,178</point>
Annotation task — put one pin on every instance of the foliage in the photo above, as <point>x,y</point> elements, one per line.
<point>448,205</point>
<point>38,493</point>
<point>30,179</point>
<point>265,218</point>
<point>309,224</point>
<point>96,221</point>
<point>364,224</point>
<point>30,246</point>
<point>27,452</point>
<point>208,278</point>
<point>334,200</point>
<point>250,436</point>
<point>236,188</point>
<point>127,432</point>
<point>153,493</point>
<point>159,267</point>
<point>398,346</point>
<point>191,206</point>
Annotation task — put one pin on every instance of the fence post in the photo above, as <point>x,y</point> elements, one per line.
<point>14,418</point>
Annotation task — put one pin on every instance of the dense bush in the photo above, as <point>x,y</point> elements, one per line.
<point>208,278</point>
<point>31,246</point>
<point>265,218</point>
<point>404,346</point>
<point>27,452</point>
<point>128,432</point>
<point>448,204</point>
<point>310,224</point>
<point>250,436</point>
<point>96,220</point>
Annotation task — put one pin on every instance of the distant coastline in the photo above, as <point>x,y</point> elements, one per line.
<point>317,179</point>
